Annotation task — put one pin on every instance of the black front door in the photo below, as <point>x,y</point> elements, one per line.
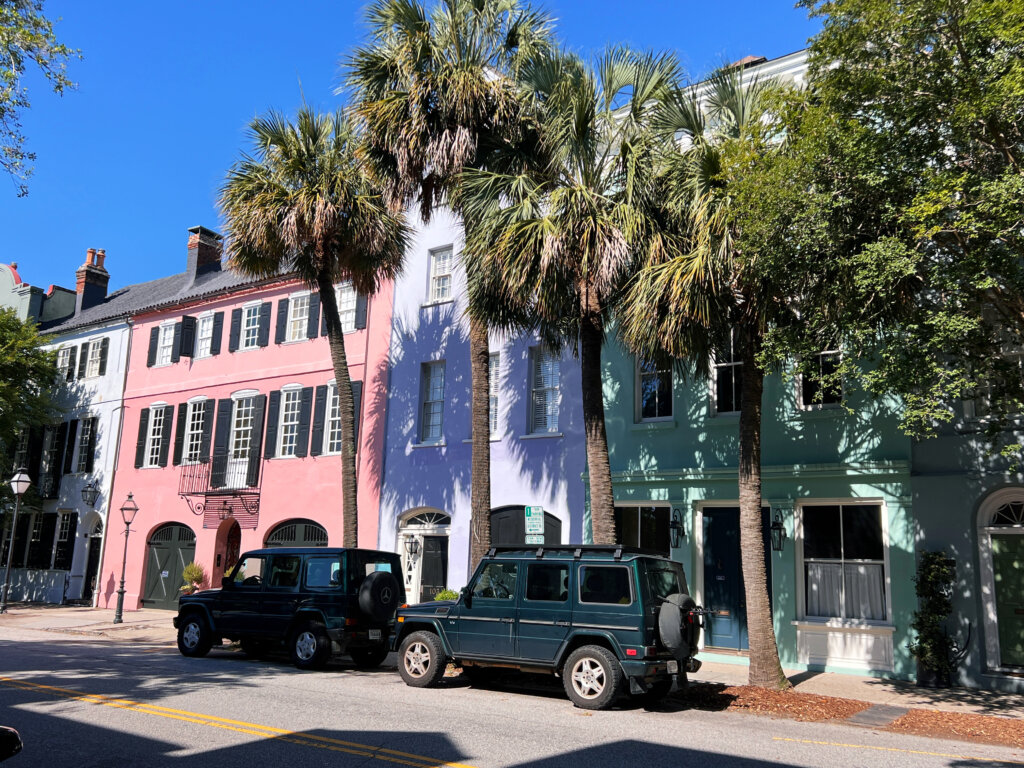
<point>724,593</point>
<point>434,567</point>
<point>92,567</point>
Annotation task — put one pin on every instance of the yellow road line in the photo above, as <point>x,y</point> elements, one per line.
<point>280,734</point>
<point>897,749</point>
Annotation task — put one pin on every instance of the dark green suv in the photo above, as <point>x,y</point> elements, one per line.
<point>313,600</point>
<point>605,619</point>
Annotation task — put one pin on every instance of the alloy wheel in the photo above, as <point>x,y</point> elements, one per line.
<point>417,659</point>
<point>588,678</point>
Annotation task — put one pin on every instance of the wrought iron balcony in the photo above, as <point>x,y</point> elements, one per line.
<point>236,498</point>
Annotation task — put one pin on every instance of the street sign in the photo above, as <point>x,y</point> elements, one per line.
<point>535,538</point>
<point>534,521</point>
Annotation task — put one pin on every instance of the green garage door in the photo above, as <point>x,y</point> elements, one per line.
<point>170,549</point>
<point>1008,564</point>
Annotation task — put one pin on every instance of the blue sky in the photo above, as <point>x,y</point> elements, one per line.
<point>135,155</point>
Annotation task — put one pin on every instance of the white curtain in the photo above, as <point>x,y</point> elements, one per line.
<point>865,591</point>
<point>825,590</point>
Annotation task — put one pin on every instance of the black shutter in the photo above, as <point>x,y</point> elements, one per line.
<point>91,448</point>
<point>66,547</point>
<point>154,336</point>
<point>165,437</point>
<point>176,344</point>
<point>83,356</point>
<point>72,361</point>
<point>40,552</point>
<point>218,331</point>
<point>282,321</point>
<point>204,445</point>
<point>313,321</point>
<point>263,337</point>
<point>357,404</point>
<point>219,470</point>
<point>273,409</point>
<point>236,329</point>
<point>179,433</point>
<point>323,322</point>
<point>360,310</point>
<point>69,446</point>
<point>256,441</point>
<point>188,336</point>
<point>35,451</point>
<point>140,446</point>
<point>60,443</point>
<point>319,410</point>
<point>104,351</point>
<point>305,409</point>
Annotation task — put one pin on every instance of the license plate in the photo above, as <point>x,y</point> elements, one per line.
<point>673,667</point>
<point>374,634</point>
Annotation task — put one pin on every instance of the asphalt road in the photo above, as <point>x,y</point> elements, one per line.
<point>82,703</point>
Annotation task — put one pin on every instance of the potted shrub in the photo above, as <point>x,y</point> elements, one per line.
<point>447,594</point>
<point>194,578</point>
<point>936,653</point>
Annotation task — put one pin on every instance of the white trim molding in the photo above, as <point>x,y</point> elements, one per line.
<point>989,619</point>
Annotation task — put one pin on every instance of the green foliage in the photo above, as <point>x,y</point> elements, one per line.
<point>193,577</point>
<point>447,594</point>
<point>25,36</point>
<point>933,647</point>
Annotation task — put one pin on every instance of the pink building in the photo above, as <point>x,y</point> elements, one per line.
<point>230,437</point>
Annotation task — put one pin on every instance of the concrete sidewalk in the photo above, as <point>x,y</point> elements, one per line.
<point>154,626</point>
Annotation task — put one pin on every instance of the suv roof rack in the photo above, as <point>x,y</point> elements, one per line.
<point>576,551</point>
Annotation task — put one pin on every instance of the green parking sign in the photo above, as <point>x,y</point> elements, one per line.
<point>535,521</point>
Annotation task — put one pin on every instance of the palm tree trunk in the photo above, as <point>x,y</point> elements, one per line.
<point>480,497</point>
<point>343,386</point>
<point>602,503</point>
<point>765,668</point>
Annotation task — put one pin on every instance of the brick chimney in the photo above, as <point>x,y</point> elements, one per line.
<point>204,248</point>
<point>91,282</point>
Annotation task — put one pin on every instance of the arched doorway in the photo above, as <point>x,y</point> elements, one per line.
<point>1001,546</point>
<point>92,562</point>
<point>297,533</point>
<point>170,548</point>
<point>423,547</point>
<point>228,547</point>
<point>508,527</point>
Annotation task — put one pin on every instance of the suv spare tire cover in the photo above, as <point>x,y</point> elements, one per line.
<point>378,595</point>
<point>670,623</point>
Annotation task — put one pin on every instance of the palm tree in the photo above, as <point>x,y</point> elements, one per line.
<point>435,92</point>
<point>303,204</point>
<point>563,224</point>
<point>690,304</point>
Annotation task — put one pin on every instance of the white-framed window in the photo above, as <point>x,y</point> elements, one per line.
<point>1006,380</point>
<point>95,351</point>
<point>195,418</point>
<point>493,387</point>
<point>441,263</point>
<point>726,379</point>
<point>250,334</point>
<point>155,435</point>
<point>653,391</point>
<point>844,561</point>
<point>332,428</point>
<point>288,423</point>
<point>241,427</point>
<point>346,297</point>
<point>820,388</point>
<point>432,397</point>
<point>64,363</point>
<point>21,450</point>
<point>298,317</point>
<point>204,335</point>
<point>544,373</point>
<point>49,459</point>
<point>85,427</point>
<point>164,345</point>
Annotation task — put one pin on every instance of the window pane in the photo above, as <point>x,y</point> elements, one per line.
<point>654,529</point>
<point>323,572</point>
<point>862,533</point>
<point>824,589</point>
<point>605,584</point>
<point>547,582</point>
<point>284,571</point>
<point>249,572</point>
<point>497,581</point>
<point>665,579</point>
<point>627,526</point>
<point>865,591</point>
<point>821,532</point>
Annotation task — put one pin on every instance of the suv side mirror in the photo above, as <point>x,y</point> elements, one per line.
<point>10,743</point>
<point>227,582</point>
<point>467,597</point>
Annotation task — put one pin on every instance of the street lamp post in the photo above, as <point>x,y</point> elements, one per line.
<point>19,484</point>
<point>128,511</point>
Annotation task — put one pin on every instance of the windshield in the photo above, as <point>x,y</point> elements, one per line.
<point>665,579</point>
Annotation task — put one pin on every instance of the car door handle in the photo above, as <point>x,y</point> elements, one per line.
<point>561,623</point>
<point>508,621</point>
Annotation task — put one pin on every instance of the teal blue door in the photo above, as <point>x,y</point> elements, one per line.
<point>545,611</point>
<point>487,626</point>
<point>723,578</point>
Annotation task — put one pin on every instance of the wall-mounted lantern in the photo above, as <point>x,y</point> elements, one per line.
<point>778,533</point>
<point>90,493</point>
<point>676,529</point>
<point>412,546</point>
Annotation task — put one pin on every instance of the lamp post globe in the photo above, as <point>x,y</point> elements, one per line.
<point>19,484</point>
<point>128,512</point>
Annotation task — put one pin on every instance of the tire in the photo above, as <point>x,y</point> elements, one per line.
<point>379,596</point>
<point>195,638</point>
<point>421,660</point>
<point>592,677</point>
<point>309,646</point>
<point>657,691</point>
<point>675,630</point>
<point>369,658</point>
